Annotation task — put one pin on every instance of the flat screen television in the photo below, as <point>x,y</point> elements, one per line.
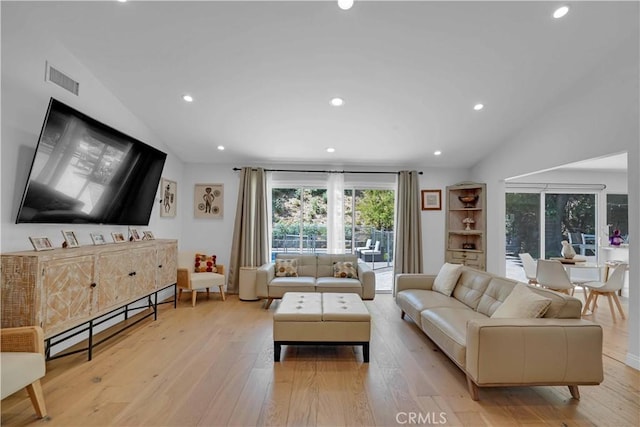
<point>84,171</point>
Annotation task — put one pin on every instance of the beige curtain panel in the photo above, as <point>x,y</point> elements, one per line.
<point>250,245</point>
<point>408,241</point>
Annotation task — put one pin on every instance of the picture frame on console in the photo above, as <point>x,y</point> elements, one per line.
<point>98,239</point>
<point>431,200</point>
<point>70,239</point>
<point>134,235</point>
<point>148,235</point>
<point>41,243</point>
<point>118,237</point>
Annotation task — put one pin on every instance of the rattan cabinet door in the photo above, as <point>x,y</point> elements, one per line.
<point>68,292</point>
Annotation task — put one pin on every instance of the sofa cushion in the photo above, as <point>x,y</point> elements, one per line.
<point>414,301</point>
<point>497,291</point>
<point>326,263</point>
<point>345,269</point>
<point>281,285</point>
<point>286,268</point>
<point>522,303</point>
<point>471,286</point>
<point>447,327</point>
<point>205,263</point>
<point>562,306</point>
<point>447,278</point>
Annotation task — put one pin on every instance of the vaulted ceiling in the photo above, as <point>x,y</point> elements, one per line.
<point>262,73</point>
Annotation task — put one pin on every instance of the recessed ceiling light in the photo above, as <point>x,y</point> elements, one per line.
<point>331,150</point>
<point>221,147</point>
<point>345,4</point>
<point>478,107</point>
<point>560,12</point>
<point>122,1</point>
<point>337,102</point>
<point>187,98</point>
<point>437,153</point>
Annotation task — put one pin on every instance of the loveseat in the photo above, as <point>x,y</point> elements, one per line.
<point>501,332</point>
<point>314,273</point>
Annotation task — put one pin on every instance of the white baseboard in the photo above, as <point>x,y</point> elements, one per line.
<point>633,360</point>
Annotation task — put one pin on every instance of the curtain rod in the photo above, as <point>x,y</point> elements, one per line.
<point>325,171</point>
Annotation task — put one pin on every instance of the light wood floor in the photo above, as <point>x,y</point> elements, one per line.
<point>213,365</point>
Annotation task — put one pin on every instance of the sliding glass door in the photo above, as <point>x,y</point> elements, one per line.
<point>537,223</point>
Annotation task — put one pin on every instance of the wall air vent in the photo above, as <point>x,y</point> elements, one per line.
<point>56,76</point>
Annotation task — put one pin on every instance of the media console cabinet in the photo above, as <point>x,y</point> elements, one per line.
<point>70,291</point>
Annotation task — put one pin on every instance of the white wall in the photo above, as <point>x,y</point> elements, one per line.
<point>25,97</point>
<point>600,118</point>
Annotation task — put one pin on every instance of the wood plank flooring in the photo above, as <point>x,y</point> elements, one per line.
<point>212,365</point>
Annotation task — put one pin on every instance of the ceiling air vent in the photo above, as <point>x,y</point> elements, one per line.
<point>58,77</point>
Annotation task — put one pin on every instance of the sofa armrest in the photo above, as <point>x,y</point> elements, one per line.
<point>28,339</point>
<point>534,351</point>
<point>264,275</point>
<point>368,279</point>
<point>413,281</point>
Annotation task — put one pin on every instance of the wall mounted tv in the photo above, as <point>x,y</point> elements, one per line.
<point>84,171</point>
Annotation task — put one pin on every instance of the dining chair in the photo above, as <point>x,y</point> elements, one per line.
<point>608,288</point>
<point>529,265</point>
<point>552,275</point>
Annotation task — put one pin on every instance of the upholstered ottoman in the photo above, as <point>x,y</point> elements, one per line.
<point>307,318</point>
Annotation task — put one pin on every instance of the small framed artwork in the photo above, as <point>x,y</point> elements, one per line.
<point>134,235</point>
<point>208,200</point>
<point>41,243</point>
<point>431,200</point>
<point>118,237</point>
<point>98,239</point>
<point>70,239</point>
<point>148,235</point>
<point>169,198</point>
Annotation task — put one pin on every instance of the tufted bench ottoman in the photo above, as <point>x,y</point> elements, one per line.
<point>309,318</point>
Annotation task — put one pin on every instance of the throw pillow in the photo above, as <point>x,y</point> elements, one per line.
<point>522,303</point>
<point>286,268</point>
<point>345,270</point>
<point>447,278</point>
<point>205,264</point>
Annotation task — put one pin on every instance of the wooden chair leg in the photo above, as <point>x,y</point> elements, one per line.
<point>194,295</point>
<point>207,292</point>
<point>587,302</point>
<point>575,393</point>
<point>269,301</point>
<point>179,293</point>
<point>613,313</point>
<point>37,398</point>
<point>473,389</point>
<point>222,292</point>
<point>615,298</point>
<point>402,315</point>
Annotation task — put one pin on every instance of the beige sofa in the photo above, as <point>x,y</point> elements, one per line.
<point>314,273</point>
<point>557,349</point>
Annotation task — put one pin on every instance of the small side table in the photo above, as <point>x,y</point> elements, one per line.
<point>247,285</point>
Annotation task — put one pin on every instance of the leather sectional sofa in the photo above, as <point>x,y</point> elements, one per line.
<point>314,273</point>
<point>557,348</point>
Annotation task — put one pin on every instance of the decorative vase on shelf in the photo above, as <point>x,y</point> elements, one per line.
<point>567,250</point>
<point>616,239</point>
<point>468,223</point>
<point>469,200</point>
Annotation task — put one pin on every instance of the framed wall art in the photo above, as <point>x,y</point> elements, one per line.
<point>431,200</point>
<point>41,243</point>
<point>148,235</point>
<point>169,198</point>
<point>208,200</point>
<point>70,239</point>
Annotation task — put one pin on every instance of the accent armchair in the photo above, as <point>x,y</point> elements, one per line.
<point>23,364</point>
<point>189,280</point>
